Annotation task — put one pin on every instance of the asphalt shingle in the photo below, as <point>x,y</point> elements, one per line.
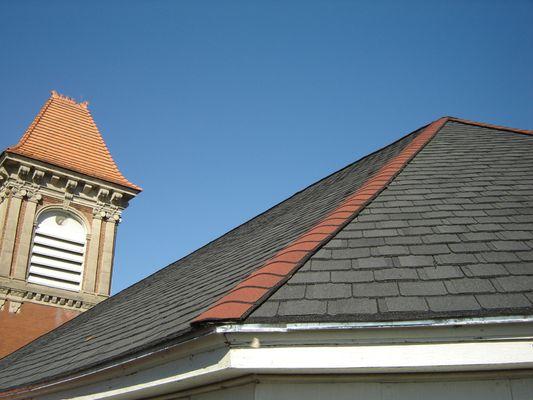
<point>450,235</point>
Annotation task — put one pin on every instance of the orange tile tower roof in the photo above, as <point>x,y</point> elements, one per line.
<point>64,134</point>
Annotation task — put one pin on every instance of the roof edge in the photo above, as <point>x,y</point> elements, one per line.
<point>244,298</point>
<point>490,126</point>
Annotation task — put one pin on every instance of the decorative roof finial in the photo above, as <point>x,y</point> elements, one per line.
<point>56,95</point>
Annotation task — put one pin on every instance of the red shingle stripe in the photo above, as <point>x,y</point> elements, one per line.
<point>291,256</point>
<point>246,295</point>
<point>235,309</point>
<point>315,237</point>
<point>305,246</point>
<point>242,299</point>
<point>259,280</point>
<point>275,268</point>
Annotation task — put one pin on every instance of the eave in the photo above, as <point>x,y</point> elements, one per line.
<point>233,351</point>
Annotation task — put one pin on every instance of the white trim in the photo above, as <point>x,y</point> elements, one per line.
<point>225,363</point>
<point>388,358</point>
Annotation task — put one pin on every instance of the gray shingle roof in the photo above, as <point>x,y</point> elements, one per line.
<point>452,235</point>
<point>161,307</point>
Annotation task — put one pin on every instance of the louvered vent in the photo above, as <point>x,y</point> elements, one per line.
<point>58,250</point>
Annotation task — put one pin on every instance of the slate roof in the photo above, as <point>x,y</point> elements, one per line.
<point>64,134</point>
<point>450,235</point>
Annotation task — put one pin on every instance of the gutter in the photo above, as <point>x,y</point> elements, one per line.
<point>328,326</point>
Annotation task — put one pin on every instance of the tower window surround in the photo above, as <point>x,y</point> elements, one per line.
<point>58,250</point>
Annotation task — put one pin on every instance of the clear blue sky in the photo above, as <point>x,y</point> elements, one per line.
<point>221,109</point>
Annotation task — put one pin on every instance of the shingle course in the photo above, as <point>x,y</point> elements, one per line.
<point>328,291</point>
<point>352,276</point>
<point>439,272</point>
<point>416,261</point>
<point>395,274</point>
<point>355,306</point>
<point>478,270</point>
<point>452,303</point>
<point>302,307</point>
<point>314,277</point>
<point>429,249</point>
<point>328,265</point>
<point>428,288</point>
<point>468,285</point>
<point>499,300</point>
<point>401,304</point>
<point>375,289</point>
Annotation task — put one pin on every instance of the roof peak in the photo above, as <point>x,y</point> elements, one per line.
<point>64,134</point>
<point>56,95</point>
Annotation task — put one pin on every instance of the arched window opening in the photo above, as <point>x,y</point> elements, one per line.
<point>58,250</point>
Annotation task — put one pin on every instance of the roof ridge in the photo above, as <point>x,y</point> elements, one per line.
<point>490,126</point>
<point>240,301</point>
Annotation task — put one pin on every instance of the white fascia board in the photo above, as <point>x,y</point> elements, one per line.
<point>223,364</point>
<point>386,358</point>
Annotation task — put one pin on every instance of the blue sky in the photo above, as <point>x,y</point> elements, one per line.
<point>221,109</point>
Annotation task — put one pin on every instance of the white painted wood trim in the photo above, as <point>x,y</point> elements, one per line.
<point>387,358</point>
<point>209,367</point>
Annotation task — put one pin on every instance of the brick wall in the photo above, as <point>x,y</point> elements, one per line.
<point>32,321</point>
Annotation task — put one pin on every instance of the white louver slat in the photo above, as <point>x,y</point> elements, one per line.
<point>53,283</point>
<point>57,253</point>
<point>54,263</point>
<point>58,250</point>
<point>59,243</point>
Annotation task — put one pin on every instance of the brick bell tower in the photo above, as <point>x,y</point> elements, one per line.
<point>61,199</point>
